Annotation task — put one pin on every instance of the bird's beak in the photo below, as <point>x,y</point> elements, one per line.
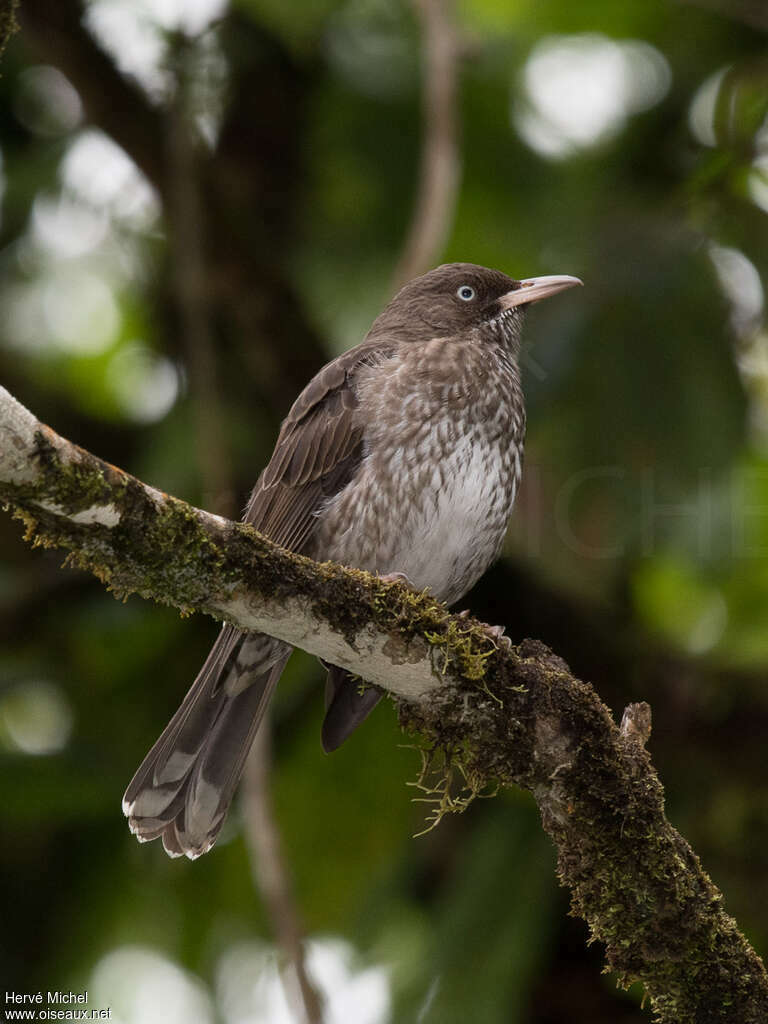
<point>535,288</point>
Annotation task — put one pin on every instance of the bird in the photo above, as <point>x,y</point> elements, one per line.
<point>402,456</point>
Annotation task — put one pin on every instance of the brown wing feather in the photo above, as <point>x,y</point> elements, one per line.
<point>318,451</point>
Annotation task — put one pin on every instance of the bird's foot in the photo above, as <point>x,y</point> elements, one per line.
<point>495,633</point>
<point>397,577</point>
<point>498,635</point>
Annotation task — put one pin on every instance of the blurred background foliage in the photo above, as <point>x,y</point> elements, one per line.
<point>201,203</point>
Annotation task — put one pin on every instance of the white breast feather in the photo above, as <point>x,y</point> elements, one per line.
<point>463,508</point>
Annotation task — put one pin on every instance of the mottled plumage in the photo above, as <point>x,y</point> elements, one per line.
<point>402,455</point>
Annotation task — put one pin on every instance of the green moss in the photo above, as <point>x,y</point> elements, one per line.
<point>464,651</point>
<point>75,486</point>
<point>157,549</point>
<point>178,557</point>
<point>446,784</point>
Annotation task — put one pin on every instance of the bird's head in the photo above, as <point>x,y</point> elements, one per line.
<point>460,297</point>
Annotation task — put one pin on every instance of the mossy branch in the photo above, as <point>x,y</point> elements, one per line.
<point>512,716</point>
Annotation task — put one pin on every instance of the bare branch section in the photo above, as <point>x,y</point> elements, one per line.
<point>440,162</point>
<point>503,716</point>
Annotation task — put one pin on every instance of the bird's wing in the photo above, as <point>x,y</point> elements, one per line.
<point>318,451</point>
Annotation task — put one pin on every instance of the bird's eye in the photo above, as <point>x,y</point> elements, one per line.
<point>466,293</point>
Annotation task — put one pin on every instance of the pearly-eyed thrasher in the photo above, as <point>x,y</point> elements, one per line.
<point>402,456</point>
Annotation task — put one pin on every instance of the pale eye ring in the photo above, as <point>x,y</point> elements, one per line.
<point>465,292</point>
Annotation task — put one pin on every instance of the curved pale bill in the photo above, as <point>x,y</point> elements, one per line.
<point>535,288</point>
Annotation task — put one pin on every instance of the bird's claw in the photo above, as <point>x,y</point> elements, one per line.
<point>495,633</point>
<point>498,635</point>
<point>396,577</point>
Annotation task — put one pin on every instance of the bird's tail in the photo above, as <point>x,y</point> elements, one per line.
<point>185,784</point>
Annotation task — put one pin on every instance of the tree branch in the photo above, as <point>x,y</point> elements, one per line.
<point>512,716</point>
